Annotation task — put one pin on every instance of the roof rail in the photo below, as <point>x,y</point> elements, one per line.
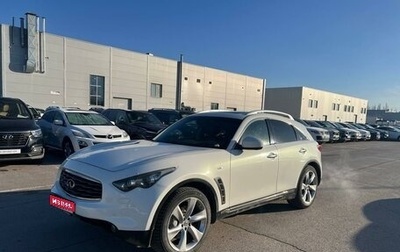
<point>216,110</point>
<point>272,112</point>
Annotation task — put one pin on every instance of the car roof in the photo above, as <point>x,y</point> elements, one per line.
<point>243,114</point>
<point>70,109</point>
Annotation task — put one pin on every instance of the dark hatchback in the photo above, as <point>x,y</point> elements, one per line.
<point>138,124</point>
<point>20,137</point>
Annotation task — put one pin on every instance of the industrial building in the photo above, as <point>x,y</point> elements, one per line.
<point>313,104</point>
<point>45,69</point>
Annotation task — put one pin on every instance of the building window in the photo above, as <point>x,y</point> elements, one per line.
<point>352,109</point>
<point>315,104</point>
<point>198,80</point>
<point>333,106</point>
<point>156,90</point>
<point>338,107</point>
<point>214,105</point>
<point>97,90</point>
<point>345,108</point>
<point>310,103</point>
<point>186,78</point>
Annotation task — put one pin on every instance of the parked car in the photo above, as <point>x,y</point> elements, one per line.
<point>138,124</point>
<point>355,135</point>
<point>394,133</point>
<point>319,134</point>
<point>36,114</point>
<point>169,116</point>
<point>165,193</point>
<point>345,134</point>
<point>334,134</point>
<point>70,130</point>
<point>20,137</point>
<point>365,134</point>
<point>384,133</point>
<point>375,134</point>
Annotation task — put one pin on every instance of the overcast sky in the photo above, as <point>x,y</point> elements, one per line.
<point>350,47</point>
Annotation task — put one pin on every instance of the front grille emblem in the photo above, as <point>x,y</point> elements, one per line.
<point>7,137</point>
<point>70,184</point>
<point>110,136</point>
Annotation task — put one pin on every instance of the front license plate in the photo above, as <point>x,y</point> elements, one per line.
<point>10,151</point>
<point>63,204</point>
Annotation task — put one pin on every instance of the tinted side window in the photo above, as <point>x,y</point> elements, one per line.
<point>258,129</point>
<point>282,132</point>
<point>58,116</point>
<point>48,116</point>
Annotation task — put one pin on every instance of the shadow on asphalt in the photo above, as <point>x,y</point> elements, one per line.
<point>383,233</point>
<point>28,223</point>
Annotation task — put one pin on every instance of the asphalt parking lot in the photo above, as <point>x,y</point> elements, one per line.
<point>357,209</point>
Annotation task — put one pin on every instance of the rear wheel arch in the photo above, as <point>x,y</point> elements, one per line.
<point>317,168</point>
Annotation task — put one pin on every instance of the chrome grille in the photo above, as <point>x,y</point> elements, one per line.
<point>79,186</point>
<point>13,139</point>
<point>108,136</point>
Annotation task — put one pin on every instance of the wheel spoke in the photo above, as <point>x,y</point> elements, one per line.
<point>183,241</point>
<point>173,232</point>
<point>191,205</point>
<point>197,234</point>
<point>177,213</point>
<point>307,196</point>
<point>313,188</point>
<point>199,216</point>
<point>311,178</point>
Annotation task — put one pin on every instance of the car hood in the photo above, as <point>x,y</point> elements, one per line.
<point>317,129</point>
<point>7,125</point>
<point>99,130</point>
<point>120,156</point>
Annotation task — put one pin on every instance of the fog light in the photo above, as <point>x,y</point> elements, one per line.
<point>36,149</point>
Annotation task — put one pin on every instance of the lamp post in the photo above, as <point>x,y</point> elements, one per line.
<point>178,99</point>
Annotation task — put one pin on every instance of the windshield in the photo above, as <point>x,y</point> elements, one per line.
<point>142,117</point>
<point>82,118</point>
<point>11,109</point>
<point>201,131</point>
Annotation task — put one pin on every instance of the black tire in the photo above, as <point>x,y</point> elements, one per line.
<point>175,219</point>
<point>306,188</point>
<point>68,148</point>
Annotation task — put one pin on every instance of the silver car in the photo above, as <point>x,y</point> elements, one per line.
<point>70,130</point>
<point>394,133</point>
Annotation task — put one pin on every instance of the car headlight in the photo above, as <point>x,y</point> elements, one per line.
<point>145,180</point>
<point>124,134</point>
<point>78,133</point>
<point>36,133</point>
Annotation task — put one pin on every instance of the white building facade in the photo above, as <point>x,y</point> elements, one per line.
<point>313,104</point>
<point>45,69</point>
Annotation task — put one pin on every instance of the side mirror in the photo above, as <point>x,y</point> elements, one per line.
<point>58,122</point>
<point>251,143</point>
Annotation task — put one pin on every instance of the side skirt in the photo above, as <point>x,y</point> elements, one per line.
<point>289,194</point>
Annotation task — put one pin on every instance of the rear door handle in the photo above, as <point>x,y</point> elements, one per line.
<point>272,155</point>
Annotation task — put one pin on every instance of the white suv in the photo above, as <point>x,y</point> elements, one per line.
<point>71,129</point>
<point>206,166</point>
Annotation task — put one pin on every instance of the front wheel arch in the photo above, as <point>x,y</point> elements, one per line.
<point>184,219</point>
